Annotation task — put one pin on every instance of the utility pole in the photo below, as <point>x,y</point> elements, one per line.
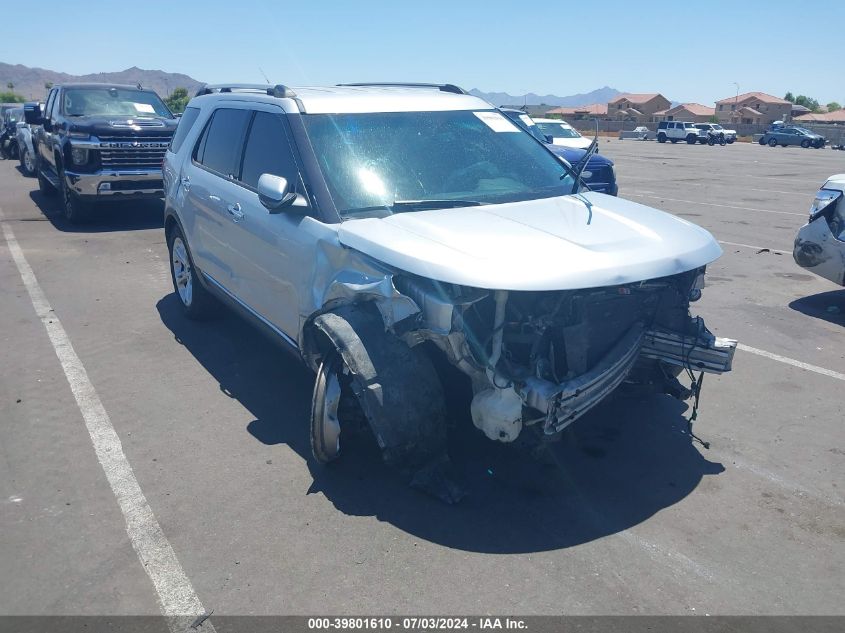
<point>736,100</point>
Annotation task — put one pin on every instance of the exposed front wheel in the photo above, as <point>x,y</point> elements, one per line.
<point>325,409</point>
<point>196,301</point>
<point>805,144</point>
<point>773,142</point>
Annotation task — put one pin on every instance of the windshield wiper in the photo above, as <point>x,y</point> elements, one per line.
<point>581,165</point>
<point>418,205</point>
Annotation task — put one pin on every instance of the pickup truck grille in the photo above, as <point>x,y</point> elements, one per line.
<point>139,152</point>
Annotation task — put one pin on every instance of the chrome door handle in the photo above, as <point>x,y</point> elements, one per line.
<point>235,211</point>
<point>186,183</point>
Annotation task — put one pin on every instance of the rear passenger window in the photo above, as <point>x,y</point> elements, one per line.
<point>267,151</point>
<point>186,122</point>
<point>220,146</point>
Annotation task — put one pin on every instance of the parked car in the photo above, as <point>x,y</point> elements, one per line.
<point>560,133</point>
<point>381,231</point>
<point>706,130</point>
<point>99,142</point>
<point>599,174</point>
<point>675,131</point>
<point>26,151</point>
<point>792,135</point>
<point>8,130</point>
<point>820,244</point>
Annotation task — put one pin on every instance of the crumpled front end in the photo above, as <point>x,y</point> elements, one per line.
<point>546,358</point>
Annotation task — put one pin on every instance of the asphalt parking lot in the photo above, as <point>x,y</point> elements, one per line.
<point>633,519</point>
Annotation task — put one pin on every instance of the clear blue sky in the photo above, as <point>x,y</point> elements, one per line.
<point>557,47</point>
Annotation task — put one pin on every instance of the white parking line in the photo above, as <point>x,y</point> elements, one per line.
<point>791,361</point>
<point>176,595</point>
<point>713,204</point>
<point>756,248</point>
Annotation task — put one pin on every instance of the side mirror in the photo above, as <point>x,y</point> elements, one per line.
<point>32,114</point>
<point>274,193</point>
<point>549,138</point>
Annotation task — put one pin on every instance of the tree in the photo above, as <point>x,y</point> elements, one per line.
<point>177,100</point>
<point>48,85</point>
<point>10,86</point>
<point>789,97</point>
<point>11,97</point>
<point>713,119</point>
<point>808,102</point>
<point>833,106</point>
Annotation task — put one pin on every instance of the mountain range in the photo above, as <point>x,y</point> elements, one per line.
<point>30,82</point>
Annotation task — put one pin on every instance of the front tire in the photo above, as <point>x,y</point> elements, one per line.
<point>325,407</point>
<point>27,163</point>
<point>661,138</point>
<point>773,142</point>
<point>74,209</point>
<point>197,303</point>
<point>691,139</point>
<point>805,144</point>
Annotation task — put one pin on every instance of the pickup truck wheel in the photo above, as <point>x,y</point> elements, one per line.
<point>661,138</point>
<point>691,139</point>
<point>773,142</point>
<point>197,302</point>
<point>73,208</point>
<point>27,162</point>
<point>805,144</point>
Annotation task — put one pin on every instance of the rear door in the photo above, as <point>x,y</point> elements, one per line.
<point>212,194</point>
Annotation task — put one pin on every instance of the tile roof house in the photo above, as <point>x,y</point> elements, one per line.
<point>694,112</point>
<point>638,107</point>
<point>756,108</point>
<point>591,111</point>
<point>837,116</point>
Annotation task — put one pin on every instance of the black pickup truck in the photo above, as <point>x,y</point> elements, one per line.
<point>100,142</point>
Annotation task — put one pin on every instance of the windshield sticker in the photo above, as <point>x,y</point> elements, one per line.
<point>496,122</point>
<point>526,119</point>
<point>144,107</point>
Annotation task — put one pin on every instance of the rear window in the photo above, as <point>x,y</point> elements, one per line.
<point>185,124</point>
<point>220,145</point>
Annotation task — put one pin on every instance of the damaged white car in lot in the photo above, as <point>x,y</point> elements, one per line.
<point>382,231</point>
<point>820,244</point>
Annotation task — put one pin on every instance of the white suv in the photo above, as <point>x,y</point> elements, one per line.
<point>675,131</point>
<point>382,231</point>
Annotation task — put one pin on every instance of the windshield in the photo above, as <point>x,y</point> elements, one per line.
<point>526,123</point>
<point>380,163</point>
<point>558,130</point>
<point>716,127</point>
<point>113,102</point>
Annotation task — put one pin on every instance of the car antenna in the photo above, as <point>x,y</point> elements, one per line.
<point>261,70</point>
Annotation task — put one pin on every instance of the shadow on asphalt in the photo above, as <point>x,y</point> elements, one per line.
<point>614,468</point>
<point>828,306</point>
<point>133,215</point>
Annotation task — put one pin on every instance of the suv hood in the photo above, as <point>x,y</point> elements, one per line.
<point>122,125</point>
<point>579,241</point>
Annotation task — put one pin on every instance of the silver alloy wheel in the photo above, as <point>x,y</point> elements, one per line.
<point>330,424</point>
<point>325,421</point>
<point>28,162</point>
<point>182,273</point>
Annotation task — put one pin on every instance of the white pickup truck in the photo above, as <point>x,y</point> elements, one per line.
<point>714,129</point>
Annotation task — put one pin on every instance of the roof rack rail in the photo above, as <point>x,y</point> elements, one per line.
<point>278,90</point>
<point>404,84</point>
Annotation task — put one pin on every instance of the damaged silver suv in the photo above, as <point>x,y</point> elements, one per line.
<point>382,231</point>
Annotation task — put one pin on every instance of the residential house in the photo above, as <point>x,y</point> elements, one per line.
<point>694,112</point>
<point>579,113</point>
<point>837,116</point>
<point>636,107</point>
<point>753,108</point>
